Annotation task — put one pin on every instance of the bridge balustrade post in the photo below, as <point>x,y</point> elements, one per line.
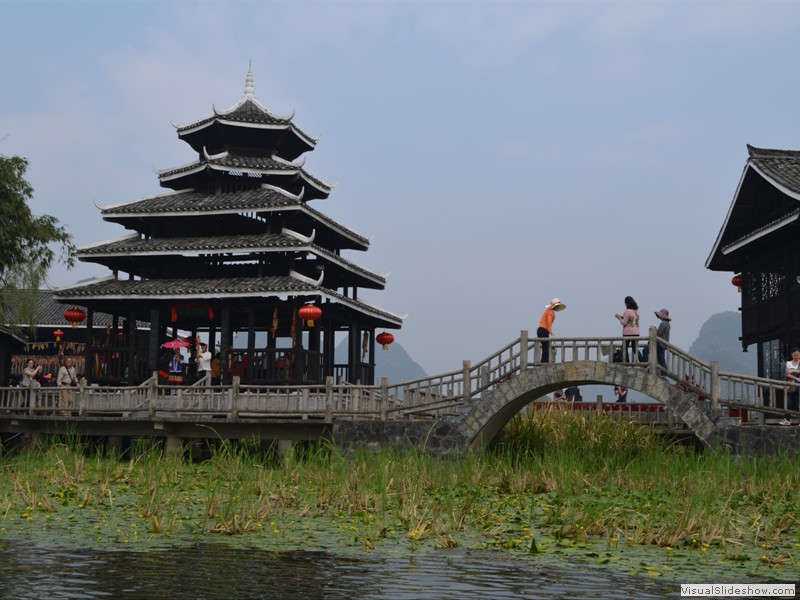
<point>715,385</point>
<point>466,384</point>
<point>329,399</point>
<point>599,404</point>
<point>81,397</point>
<point>523,350</point>
<point>652,350</point>
<point>151,395</point>
<point>384,397</point>
<point>234,392</point>
<point>484,376</point>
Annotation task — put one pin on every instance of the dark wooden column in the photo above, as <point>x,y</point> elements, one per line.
<point>88,350</point>
<point>352,353</point>
<point>154,338</point>
<point>328,348</point>
<point>299,370</point>
<point>251,344</point>
<point>226,341</point>
<point>132,371</point>
<point>372,355</point>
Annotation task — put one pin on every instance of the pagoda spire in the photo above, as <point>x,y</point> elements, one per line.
<point>248,85</point>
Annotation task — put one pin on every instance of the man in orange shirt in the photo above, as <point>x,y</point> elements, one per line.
<point>545,329</point>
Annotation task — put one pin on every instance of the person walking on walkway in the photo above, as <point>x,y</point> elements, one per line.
<point>793,391</point>
<point>30,380</point>
<point>203,362</point>
<point>545,329</point>
<point>630,327</point>
<point>67,380</point>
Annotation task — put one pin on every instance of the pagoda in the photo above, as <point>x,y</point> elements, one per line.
<point>234,249</point>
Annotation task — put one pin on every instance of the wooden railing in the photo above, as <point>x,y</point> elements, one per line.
<point>428,396</point>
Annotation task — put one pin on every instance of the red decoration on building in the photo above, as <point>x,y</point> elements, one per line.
<point>192,311</point>
<point>58,333</point>
<point>309,313</point>
<point>384,339</point>
<point>737,281</point>
<point>74,315</point>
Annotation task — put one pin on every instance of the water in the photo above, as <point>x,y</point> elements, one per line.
<point>219,571</point>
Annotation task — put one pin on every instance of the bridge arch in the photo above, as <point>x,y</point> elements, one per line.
<point>485,417</point>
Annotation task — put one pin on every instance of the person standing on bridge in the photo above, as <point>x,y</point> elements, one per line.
<point>662,334</point>
<point>630,326</point>
<point>545,329</point>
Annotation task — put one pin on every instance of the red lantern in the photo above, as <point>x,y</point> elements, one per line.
<point>309,313</point>
<point>58,333</point>
<point>74,315</point>
<point>384,339</point>
<point>737,281</point>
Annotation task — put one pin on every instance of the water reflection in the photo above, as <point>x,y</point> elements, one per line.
<point>218,571</point>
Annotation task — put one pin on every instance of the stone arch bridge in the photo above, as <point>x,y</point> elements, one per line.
<point>469,407</point>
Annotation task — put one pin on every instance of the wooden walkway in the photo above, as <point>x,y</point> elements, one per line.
<point>150,406</point>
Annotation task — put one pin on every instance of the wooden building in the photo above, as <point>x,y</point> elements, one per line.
<point>236,248</point>
<point>759,244</point>
<point>52,335</point>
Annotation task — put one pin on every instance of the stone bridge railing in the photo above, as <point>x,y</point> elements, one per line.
<point>444,394</point>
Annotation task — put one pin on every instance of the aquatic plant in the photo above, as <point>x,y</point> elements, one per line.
<point>556,484</point>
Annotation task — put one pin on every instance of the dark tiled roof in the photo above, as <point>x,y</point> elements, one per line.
<point>195,202</point>
<point>783,166</point>
<point>48,311</point>
<point>261,199</point>
<point>254,166</point>
<point>261,163</point>
<point>187,288</point>
<point>247,112</point>
<point>222,244</point>
<point>170,289</point>
<point>250,111</point>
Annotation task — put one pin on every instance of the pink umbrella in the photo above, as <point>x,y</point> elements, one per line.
<point>176,344</point>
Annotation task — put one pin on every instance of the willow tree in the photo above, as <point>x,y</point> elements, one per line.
<point>29,244</point>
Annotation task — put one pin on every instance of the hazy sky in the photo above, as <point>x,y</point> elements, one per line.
<point>497,153</point>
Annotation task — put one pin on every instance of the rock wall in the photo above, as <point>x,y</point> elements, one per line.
<point>440,437</point>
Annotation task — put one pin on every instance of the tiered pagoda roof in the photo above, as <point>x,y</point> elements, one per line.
<point>237,228</point>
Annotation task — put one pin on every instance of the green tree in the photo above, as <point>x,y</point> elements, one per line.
<point>29,245</point>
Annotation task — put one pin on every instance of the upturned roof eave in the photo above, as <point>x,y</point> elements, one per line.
<point>710,261</point>
<point>293,203</point>
<point>720,258</point>
<point>196,128</point>
<point>208,247</point>
<point>193,168</point>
